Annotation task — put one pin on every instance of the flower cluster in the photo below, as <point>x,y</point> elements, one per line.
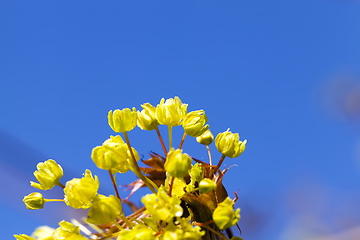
<point>187,200</point>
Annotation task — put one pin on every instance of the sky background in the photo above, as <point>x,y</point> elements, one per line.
<point>282,74</point>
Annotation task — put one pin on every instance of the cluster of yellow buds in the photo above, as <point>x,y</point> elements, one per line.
<point>187,201</point>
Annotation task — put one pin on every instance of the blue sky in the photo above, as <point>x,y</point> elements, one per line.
<point>260,68</point>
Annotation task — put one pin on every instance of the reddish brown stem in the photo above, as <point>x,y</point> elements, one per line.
<point>171,185</point>
<point>219,164</point>
<point>61,185</point>
<point>161,141</point>
<point>182,140</point>
<point>204,224</point>
<point>113,182</point>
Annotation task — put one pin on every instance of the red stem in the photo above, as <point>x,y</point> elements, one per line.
<point>113,181</point>
<point>161,141</point>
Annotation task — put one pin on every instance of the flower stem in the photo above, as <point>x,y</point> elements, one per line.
<point>61,185</point>
<point>136,167</point>
<point>210,159</point>
<point>161,140</point>
<point>204,224</point>
<point>182,140</point>
<point>114,184</point>
<point>170,137</point>
<point>54,200</point>
<point>219,164</point>
<point>171,185</point>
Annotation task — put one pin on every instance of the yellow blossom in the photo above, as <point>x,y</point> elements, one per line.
<point>80,192</point>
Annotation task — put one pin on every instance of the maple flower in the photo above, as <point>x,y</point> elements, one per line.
<point>80,192</point>
<point>161,206</point>
<point>48,174</point>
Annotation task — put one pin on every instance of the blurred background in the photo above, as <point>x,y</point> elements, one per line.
<point>285,75</point>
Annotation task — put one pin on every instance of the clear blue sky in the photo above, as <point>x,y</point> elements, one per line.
<point>259,68</point>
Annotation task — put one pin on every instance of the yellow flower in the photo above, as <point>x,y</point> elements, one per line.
<point>228,144</point>
<point>104,209</point>
<point>177,164</point>
<point>224,215</point>
<point>207,185</point>
<point>206,138</point>
<point>194,123</point>
<point>161,206</point>
<point>146,118</point>
<point>48,174</point>
<point>34,201</point>
<point>122,120</point>
<point>80,192</point>
<point>67,231</point>
<point>171,111</point>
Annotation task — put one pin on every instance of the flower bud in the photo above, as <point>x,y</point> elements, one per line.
<point>34,201</point>
<point>122,120</point>
<point>228,144</point>
<point>194,123</point>
<point>206,138</point>
<point>207,185</point>
<point>67,231</point>
<point>104,209</point>
<point>80,192</point>
<point>171,111</point>
<point>224,216</point>
<point>48,175</point>
<point>146,118</point>
<point>177,164</point>
<point>23,237</point>
<point>105,157</point>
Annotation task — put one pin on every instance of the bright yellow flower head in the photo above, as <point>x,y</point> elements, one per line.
<point>48,174</point>
<point>206,138</point>
<point>228,144</point>
<point>161,206</point>
<point>177,164</point>
<point>194,123</point>
<point>67,231</point>
<point>34,201</point>
<point>224,215</point>
<point>80,192</point>
<point>146,118</point>
<point>104,209</point>
<point>122,120</point>
<point>171,111</point>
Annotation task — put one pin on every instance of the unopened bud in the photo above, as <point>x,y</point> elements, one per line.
<point>122,120</point>
<point>228,144</point>
<point>177,164</point>
<point>206,138</point>
<point>194,123</point>
<point>34,201</point>
<point>207,185</point>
